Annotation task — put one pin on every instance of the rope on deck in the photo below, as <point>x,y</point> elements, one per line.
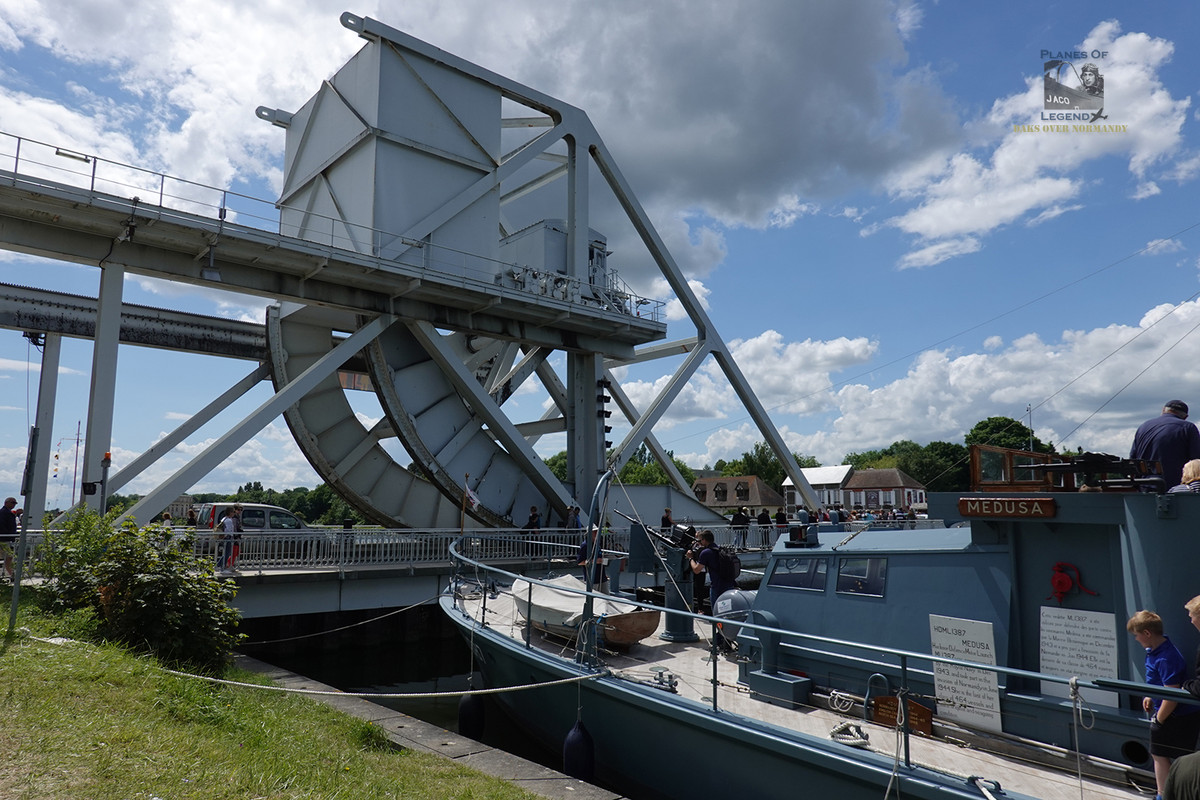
<point>850,733</point>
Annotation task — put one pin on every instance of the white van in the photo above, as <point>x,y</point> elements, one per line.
<point>256,517</point>
<point>282,534</point>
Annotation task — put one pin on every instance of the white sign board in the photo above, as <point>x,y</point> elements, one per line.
<point>1078,643</point>
<point>970,696</point>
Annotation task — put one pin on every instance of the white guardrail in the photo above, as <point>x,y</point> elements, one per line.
<point>355,548</point>
<point>341,549</point>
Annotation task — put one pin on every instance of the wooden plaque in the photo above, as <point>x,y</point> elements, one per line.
<point>1024,507</point>
<point>920,718</point>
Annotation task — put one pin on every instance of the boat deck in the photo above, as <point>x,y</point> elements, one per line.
<point>691,665</point>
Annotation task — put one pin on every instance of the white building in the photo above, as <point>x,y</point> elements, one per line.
<point>827,482</point>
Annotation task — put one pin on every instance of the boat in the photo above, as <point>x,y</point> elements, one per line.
<point>984,658</point>
<point>556,607</point>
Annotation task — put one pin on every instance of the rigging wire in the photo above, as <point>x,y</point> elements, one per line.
<point>365,695</point>
<point>1080,376</point>
<point>1135,377</point>
<point>661,560</point>
<point>1032,301</point>
<point>342,628</point>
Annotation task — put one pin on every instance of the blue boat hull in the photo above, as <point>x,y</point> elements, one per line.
<point>652,744</point>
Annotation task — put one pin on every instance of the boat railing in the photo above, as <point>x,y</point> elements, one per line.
<point>911,666</point>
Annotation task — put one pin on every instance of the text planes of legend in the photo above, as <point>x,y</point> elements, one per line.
<point>414,156</point>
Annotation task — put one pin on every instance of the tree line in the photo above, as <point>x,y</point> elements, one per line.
<point>938,466</point>
<point>319,506</point>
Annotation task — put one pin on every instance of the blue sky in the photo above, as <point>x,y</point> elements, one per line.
<point>855,188</point>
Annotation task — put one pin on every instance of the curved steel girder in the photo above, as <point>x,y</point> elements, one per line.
<point>442,413</point>
<point>346,454</point>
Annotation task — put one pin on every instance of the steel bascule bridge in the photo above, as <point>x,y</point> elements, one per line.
<point>431,244</point>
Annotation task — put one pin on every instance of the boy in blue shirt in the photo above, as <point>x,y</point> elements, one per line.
<point>1173,727</point>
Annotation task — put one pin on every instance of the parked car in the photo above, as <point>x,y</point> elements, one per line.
<point>268,531</point>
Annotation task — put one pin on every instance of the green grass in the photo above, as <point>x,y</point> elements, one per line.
<point>96,722</point>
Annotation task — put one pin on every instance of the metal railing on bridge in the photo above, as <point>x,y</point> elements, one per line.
<point>337,549</point>
<point>41,164</point>
<point>341,549</point>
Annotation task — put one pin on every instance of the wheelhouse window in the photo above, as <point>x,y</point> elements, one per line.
<point>800,573</point>
<point>867,576</point>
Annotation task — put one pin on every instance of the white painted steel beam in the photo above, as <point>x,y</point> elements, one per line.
<point>507,384</point>
<point>656,449</point>
<point>653,352</point>
<point>225,446</point>
<point>71,224</point>
<point>35,498</point>
<point>658,407</point>
<point>498,424</point>
<point>104,379</point>
<point>705,331</point>
<point>542,427</point>
<point>177,436</point>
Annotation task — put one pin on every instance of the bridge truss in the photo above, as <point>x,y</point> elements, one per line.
<point>432,237</point>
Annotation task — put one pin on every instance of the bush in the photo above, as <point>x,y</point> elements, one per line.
<point>146,588</point>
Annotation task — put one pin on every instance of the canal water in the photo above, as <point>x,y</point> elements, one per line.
<point>416,651</point>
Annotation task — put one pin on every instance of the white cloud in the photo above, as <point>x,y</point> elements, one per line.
<point>1022,174</point>
<point>1053,212</point>
<point>1146,189</point>
<point>674,310</point>
<point>1158,247</point>
<point>939,252</point>
<point>789,210</point>
<point>909,16</point>
<point>13,365</point>
<point>795,377</point>
<point>943,394</point>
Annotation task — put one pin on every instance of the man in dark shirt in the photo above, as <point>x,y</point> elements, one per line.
<point>8,533</point>
<point>708,559</point>
<point>764,527</point>
<point>1168,439</point>
<point>741,526</point>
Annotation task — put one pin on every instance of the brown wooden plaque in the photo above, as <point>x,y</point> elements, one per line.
<point>1026,507</point>
<point>920,718</point>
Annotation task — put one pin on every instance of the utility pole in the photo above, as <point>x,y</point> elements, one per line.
<point>1029,411</point>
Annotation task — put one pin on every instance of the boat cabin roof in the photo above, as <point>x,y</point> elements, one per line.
<point>885,540</point>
